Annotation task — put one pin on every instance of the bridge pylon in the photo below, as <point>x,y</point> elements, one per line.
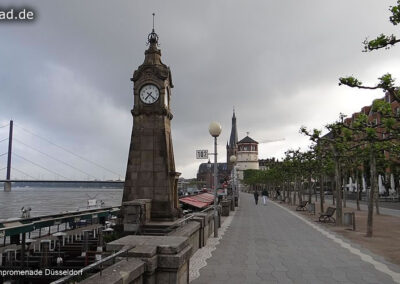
<point>7,184</point>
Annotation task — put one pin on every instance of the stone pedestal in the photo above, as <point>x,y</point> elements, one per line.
<point>166,258</point>
<point>135,214</point>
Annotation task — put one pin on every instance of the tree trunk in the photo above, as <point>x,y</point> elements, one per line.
<point>333,190</point>
<point>338,192</point>
<point>358,192</point>
<point>299,192</point>
<point>371,193</point>
<point>295,190</point>
<point>376,198</point>
<point>321,192</point>
<point>344,193</point>
<point>309,189</point>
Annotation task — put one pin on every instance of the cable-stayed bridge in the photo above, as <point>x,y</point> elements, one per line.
<point>21,176</point>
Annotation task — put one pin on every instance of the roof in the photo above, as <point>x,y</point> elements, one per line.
<point>199,201</point>
<point>247,139</point>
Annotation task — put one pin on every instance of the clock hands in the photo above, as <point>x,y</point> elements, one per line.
<point>149,95</point>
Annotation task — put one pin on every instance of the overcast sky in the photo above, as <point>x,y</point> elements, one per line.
<point>65,76</point>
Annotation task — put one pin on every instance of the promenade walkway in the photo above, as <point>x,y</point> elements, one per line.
<point>270,244</point>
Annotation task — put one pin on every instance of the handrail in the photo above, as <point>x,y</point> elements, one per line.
<point>94,265</point>
<point>207,209</point>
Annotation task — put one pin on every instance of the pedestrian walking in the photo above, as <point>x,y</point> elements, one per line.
<point>256,196</point>
<point>265,196</point>
<point>278,194</point>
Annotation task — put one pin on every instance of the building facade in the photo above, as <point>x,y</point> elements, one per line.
<point>205,174</point>
<point>247,156</point>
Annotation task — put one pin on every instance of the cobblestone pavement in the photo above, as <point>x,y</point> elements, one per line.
<point>268,244</point>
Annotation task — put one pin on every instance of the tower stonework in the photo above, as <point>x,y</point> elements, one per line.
<point>151,171</point>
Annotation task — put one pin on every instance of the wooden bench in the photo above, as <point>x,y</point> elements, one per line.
<point>302,206</point>
<point>328,215</point>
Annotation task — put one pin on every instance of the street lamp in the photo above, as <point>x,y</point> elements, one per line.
<point>233,160</point>
<point>215,130</point>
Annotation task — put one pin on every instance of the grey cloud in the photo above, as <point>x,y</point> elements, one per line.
<point>67,74</point>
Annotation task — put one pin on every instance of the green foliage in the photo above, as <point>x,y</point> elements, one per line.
<point>362,119</point>
<point>382,41</point>
<point>251,177</point>
<point>386,82</point>
<point>371,133</point>
<point>349,81</point>
<point>382,107</point>
<point>389,123</point>
<point>395,17</point>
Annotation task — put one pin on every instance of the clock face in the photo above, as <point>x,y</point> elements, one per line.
<point>149,94</point>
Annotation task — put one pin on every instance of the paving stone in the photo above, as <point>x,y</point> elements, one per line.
<point>266,244</point>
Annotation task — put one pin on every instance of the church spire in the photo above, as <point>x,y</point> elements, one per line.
<point>234,135</point>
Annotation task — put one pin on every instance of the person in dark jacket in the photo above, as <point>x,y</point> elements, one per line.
<point>256,196</point>
<point>265,196</point>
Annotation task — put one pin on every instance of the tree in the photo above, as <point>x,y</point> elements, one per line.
<point>337,141</point>
<point>371,135</point>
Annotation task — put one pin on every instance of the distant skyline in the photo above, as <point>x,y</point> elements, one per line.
<point>65,76</point>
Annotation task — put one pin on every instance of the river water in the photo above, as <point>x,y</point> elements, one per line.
<point>50,200</point>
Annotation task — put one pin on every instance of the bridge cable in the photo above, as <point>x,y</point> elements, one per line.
<point>55,159</point>
<point>4,139</point>
<point>3,154</point>
<point>68,151</point>
<point>24,173</point>
<point>40,166</point>
<point>4,126</point>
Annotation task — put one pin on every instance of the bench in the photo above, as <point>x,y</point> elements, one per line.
<point>302,206</point>
<point>328,215</point>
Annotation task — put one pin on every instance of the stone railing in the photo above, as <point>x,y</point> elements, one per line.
<point>158,259</point>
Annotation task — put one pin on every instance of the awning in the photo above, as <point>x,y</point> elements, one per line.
<point>199,201</point>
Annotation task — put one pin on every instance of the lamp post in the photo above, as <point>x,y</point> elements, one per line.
<point>215,130</point>
<point>233,160</point>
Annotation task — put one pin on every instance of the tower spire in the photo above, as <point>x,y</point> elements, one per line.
<point>234,135</point>
<point>152,37</point>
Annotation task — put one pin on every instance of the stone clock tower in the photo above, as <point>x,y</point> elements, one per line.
<point>151,172</point>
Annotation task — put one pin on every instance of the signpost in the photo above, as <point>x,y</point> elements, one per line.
<point>201,154</point>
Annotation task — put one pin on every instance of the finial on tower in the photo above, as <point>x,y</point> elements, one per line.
<point>247,133</point>
<point>153,37</point>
